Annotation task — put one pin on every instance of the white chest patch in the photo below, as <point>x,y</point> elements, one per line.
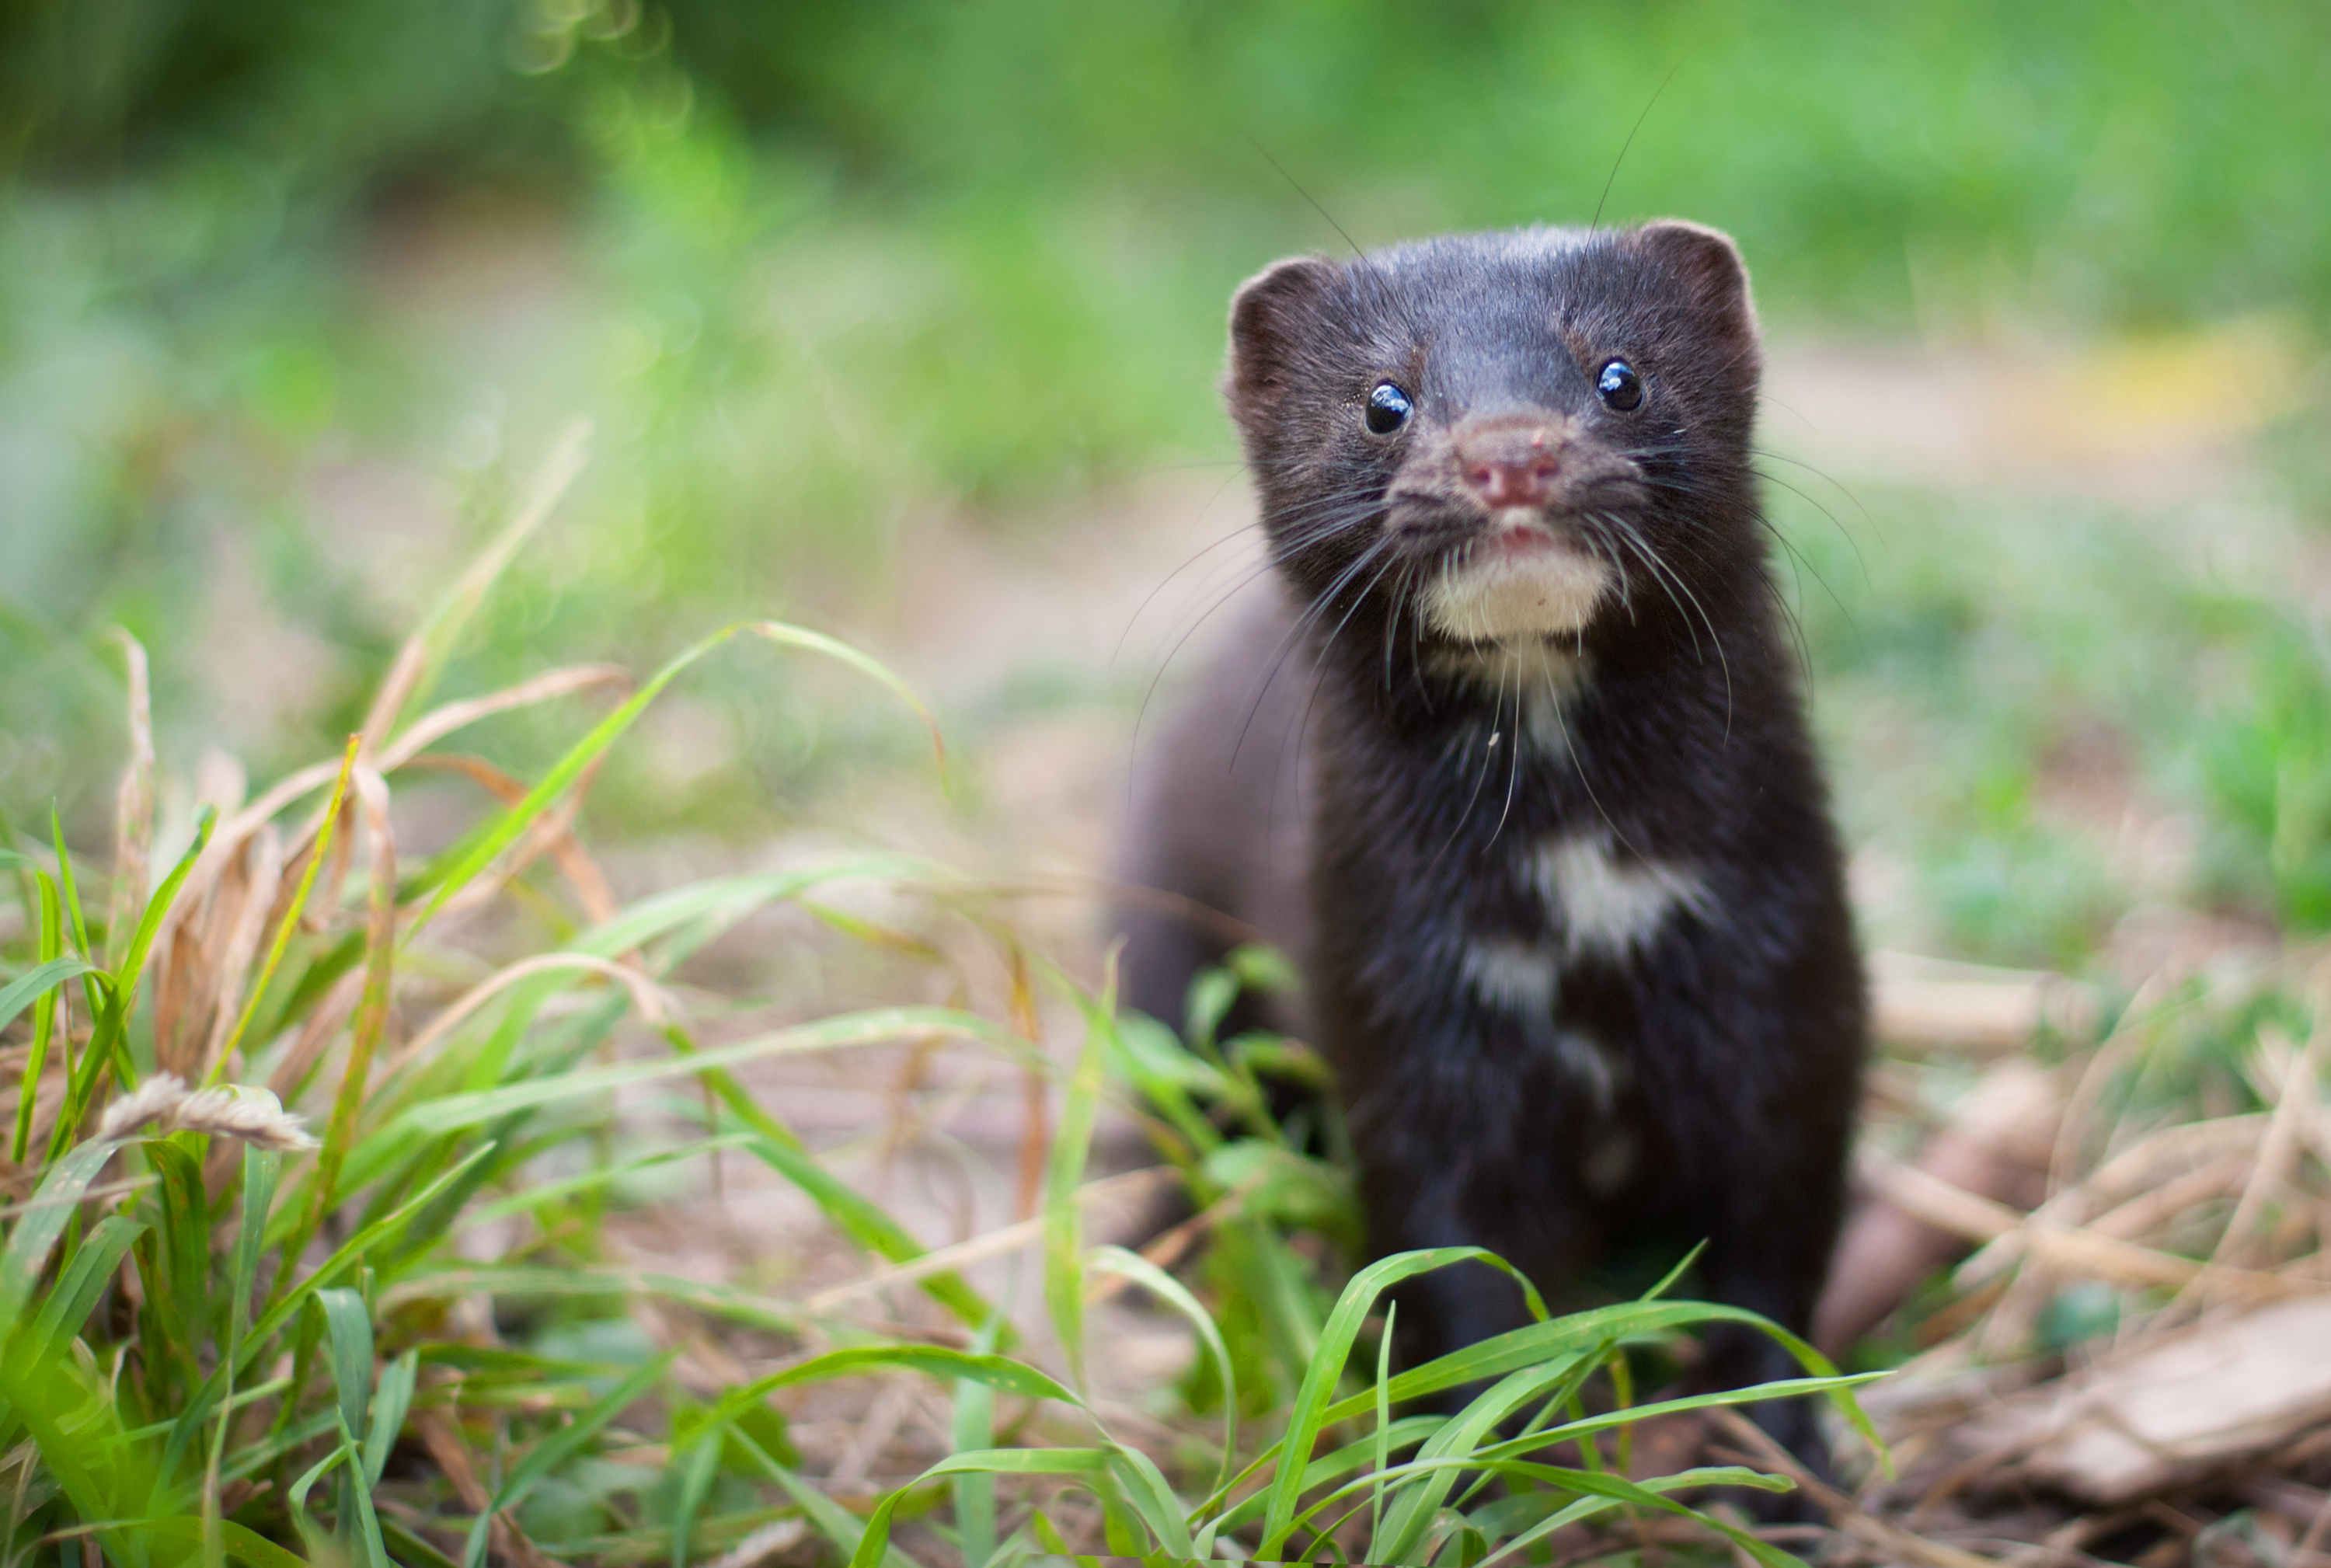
<point>1497,595</point>
<point>1515,976</point>
<point>1610,907</point>
<point>1592,1066</point>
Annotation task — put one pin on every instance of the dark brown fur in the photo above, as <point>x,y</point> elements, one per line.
<point>1458,839</point>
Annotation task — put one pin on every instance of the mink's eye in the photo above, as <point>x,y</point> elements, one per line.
<point>1621,387</point>
<point>1388,408</point>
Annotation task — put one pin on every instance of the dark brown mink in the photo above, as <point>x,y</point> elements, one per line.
<point>1515,765</point>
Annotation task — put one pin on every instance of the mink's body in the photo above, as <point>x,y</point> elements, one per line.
<point>1532,800</point>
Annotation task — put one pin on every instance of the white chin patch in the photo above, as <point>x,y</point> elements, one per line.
<point>1497,596</point>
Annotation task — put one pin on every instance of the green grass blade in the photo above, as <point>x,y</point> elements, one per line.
<point>133,964</point>
<point>1617,1489</point>
<point>184,1236</point>
<point>1383,1419</point>
<point>560,1447</point>
<point>474,854</point>
<point>79,1440</point>
<point>717,1300</point>
<point>390,1400</point>
<point>321,1549</point>
<point>870,1545</point>
<point>348,1330</point>
<point>65,880</point>
<point>244,1544</point>
<point>836,1523</point>
<point>1406,1433</point>
<point>696,1478</point>
<point>972,1428</point>
<point>355,1246</point>
<point>1153,1499</point>
<point>1311,1411</point>
<point>262,1170</point>
<point>1064,1173</point>
<point>1786,1388</point>
<point>1577,1334</point>
<point>82,1077</point>
<point>530,1198</point>
<point>19,992</point>
<point>41,1224</point>
<point>1132,1266</point>
<point>868,1224</point>
<point>413,1551</point>
<point>724,900</point>
<point>784,634</point>
<point>999,1372</point>
<point>80,1286</point>
<point>1416,1505</point>
<point>361,1523</point>
<point>348,1327</point>
<point>46,914</point>
<point>295,1297</point>
<point>71,898</point>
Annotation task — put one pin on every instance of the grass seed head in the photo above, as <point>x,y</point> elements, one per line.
<point>233,1111</point>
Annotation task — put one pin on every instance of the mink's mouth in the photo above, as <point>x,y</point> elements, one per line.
<point>1519,536</point>
<point>1515,576</point>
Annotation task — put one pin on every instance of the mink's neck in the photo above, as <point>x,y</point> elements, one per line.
<point>1647,667</point>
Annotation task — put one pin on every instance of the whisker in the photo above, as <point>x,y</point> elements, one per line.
<point>1303,623</point>
<point>1562,724</point>
<point>1714,636</point>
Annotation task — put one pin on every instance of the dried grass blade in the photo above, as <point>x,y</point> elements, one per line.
<point>291,1073</point>
<point>2279,1152</point>
<point>1927,1196</point>
<point>995,1243</point>
<point>422,658</point>
<point>438,723</point>
<point>372,1009</point>
<point>646,996</point>
<point>874,1026</point>
<point>291,915</point>
<point>133,803</point>
<point>227,840</point>
<point>552,832</point>
<point>471,858</point>
<point>1842,1510</point>
<point>262,885</point>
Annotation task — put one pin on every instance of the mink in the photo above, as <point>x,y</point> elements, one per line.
<point>1514,764</point>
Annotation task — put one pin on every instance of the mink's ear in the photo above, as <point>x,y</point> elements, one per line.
<point>1273,315</point>
<point>1708,264</point>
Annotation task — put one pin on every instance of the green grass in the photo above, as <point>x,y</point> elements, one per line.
<point>224,1338</point>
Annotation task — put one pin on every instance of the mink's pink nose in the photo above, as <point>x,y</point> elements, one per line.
<point>1509,465</point>
<point>1513,482</point>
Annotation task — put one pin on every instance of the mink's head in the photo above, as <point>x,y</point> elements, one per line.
<point>1530,435</point>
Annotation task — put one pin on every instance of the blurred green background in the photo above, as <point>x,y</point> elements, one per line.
<point>293,297</point>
